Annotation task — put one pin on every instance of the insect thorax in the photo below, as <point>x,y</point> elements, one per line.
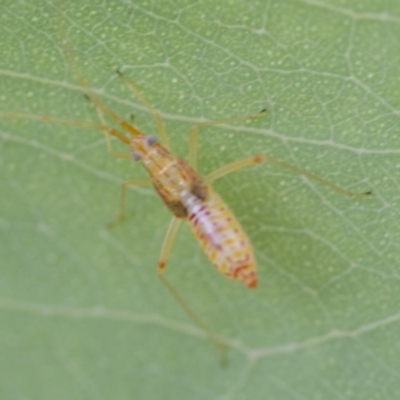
<point>174,181</point>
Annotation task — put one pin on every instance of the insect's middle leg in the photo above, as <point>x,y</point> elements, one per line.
<point>131,182</point>
<point>195,128</point>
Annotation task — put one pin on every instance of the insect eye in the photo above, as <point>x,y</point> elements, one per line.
<point>150,140</point>
<point>136,156</point>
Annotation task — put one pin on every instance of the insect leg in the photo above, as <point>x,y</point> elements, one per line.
<point>258,158</point>
<point>82,81</point>
<point>131,182</point>
<point>168,242</point>
<point>157,117</point>
<point>108,131</point>
<point>112,132</point>
<point>232,167</point>
<point>162,261</point>
<point>194,130</point>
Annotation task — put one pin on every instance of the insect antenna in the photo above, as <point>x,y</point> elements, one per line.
<point>83,83</point>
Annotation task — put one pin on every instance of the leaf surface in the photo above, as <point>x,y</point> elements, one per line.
<point>83,314</point>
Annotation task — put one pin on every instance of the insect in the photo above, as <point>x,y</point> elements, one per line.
<point>185,193</point>
<point>191,198</point>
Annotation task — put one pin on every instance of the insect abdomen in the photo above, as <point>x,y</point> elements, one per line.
<point>222,238</point>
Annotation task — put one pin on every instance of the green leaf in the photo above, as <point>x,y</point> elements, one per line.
<point>83,314</point>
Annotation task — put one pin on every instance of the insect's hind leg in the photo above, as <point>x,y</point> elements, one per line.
<point>168,242</point>
<point>195,128</point>
<point>259,158</point>
<point>162,261</point>
<point>156,115</point>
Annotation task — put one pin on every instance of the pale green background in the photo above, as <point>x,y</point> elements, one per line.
<point>82,312</point>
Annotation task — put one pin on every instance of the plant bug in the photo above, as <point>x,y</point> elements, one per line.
<point>185,193</point>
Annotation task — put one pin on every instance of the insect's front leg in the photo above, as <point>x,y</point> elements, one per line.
<point>156,115</point>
